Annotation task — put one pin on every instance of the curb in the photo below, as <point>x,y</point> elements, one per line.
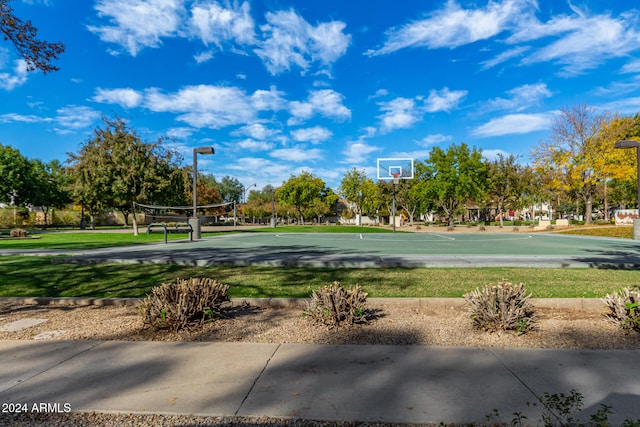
<point>559,303</point>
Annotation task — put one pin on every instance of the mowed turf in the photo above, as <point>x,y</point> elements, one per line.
<point>39,277</point>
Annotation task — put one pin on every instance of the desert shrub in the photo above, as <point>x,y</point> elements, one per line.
<point>334,306</point>
<point>19,232</point>
<point>183,302</point>
<point>623,308</point>
<point>501,307</point>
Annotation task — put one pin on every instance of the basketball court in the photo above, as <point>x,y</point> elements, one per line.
<point>352,250</point>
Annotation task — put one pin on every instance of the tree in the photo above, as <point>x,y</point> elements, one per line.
<point>571,154</point>
<point>231,190</point>
<point>454,176</point>
<point>357,188</point>
<point>301,191</point>
<point>15,171</point>
<point>116,168</point>
<point>614,164</point>
<point>38,54</point>
<point>48,186</point>
<point>504,177</point>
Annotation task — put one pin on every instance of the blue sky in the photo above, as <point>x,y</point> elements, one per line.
<point>278,87</point>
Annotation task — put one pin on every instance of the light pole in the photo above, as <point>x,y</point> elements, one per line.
<point>246,190</point>
<point>636,145</point>
<point>273,208</point>
<point>195,221</point>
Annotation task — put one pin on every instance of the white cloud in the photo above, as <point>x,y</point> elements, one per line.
<point>253,145</point>
<point>632,67</point>
<point>180,133</point>
<point>256,131</point>
<point>580,41</point>
<point>504,57</point>
<point>434,139</point>
<point>514,124</point>
<point>136,24</point>
<point>357,152</point>
<point>74,117</point>
<point>215,24</point>
<point>626,106</point>
<point>292,41</point>
<point>494,154</point>
<point>326,102</point>
<point>204,105</point>
<point>12,117</point>
<point>315,134</point>
<point>125,97</point>
<point>399,113</point>
<point>444,99</point>
<point>520,99</point>
<point>271,99</point>
<point>16,78</point>
<point>454,26</point>
<point>297,154</point>
<point>203,57</point>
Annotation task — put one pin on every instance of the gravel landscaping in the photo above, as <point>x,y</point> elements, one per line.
<point>411,322</point>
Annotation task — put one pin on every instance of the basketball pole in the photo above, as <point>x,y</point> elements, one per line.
<point>396,179</point>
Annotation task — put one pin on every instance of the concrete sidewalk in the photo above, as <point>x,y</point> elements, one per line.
<point>394,384</point>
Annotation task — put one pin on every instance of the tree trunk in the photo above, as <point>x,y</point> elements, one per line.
<point>135,222</point>
<point>588,202</point>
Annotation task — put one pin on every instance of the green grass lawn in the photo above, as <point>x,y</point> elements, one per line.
<point>320,229</point>
<point>39,277</point>
<point>86,240</point>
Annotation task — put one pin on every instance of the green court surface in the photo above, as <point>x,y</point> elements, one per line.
<point>384,250</point>
<point>436,244</point>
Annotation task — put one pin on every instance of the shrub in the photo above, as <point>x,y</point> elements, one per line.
<point>335,306</point>
<point>183,302</point>
<point>504,306</point>
<point>19,232</point>
<point>624,309</point>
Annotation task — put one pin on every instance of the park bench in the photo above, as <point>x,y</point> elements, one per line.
<point>161,227</point>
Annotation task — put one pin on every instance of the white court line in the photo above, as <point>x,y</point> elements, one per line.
<point>411,237</point>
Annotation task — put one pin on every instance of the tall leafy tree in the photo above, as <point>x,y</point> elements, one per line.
<point>301,192</point>
<point>231,190</point>
<point>15,172</point>
<point>116,168</point>
<point>38,54</point>
<point>504,183</point>
<point>454,176</point>
<point>48,186</point>
<point>358,189</point>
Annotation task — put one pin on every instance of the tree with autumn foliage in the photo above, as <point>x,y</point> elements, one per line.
<point>38,54</point>
<point>617,165</point>
<point>572,156</point>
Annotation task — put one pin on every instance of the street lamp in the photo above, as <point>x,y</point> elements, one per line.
<point>246,190</point>
<point>195,221</point>
<point>636,145</point>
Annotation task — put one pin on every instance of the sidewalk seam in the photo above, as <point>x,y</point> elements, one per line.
<point>264,368</point>
<point>22,381</point>
<point>512,372</point>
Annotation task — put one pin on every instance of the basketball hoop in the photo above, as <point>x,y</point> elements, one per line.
<point>396,177</point>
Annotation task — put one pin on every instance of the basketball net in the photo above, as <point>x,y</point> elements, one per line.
<point>396,177</point>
